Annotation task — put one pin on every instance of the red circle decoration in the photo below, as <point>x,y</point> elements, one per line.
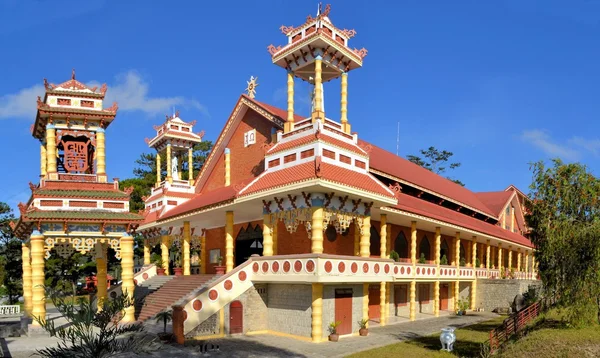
<point>328,266</point>
<point>453,272</point>
<point>287,266</point>
<point>341,267</point>
<point>228,285</point>
<point>428,271</point>
<point>377,268</point>
<point>408,270</point>
<point>418,270</point>
<point>213,294</point>
<point>395,270</point>
<point>185,315</point>
<point>386,268</point>
<point>354,267</point>
<point>275,266</point>
<point>197,305</point>
<point>297,265</point>
<point>310,265</point>
<point>265,266</point>
<point>145,275</point>
<point>402,270</point>
<point>365,267</point>
<point>255,267</point>
<point>242,276</point>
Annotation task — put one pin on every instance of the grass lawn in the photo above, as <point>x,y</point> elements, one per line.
<point>549,337</point>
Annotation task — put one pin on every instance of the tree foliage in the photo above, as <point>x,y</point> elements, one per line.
<point>11,268</point>
<point>437,161</point>
<point>564,216</point>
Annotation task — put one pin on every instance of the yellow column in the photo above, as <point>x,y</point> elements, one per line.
<point>222,321</point>
<point>365,302</point>
<point>382,304</point>
<point>158,169</point>
<point>169,164</point>
<point>357,232</point>
<point>474,295</point>
<point>533,268</point>
<point>480,255</point>
<point>436,284</point>
<point>365,238</point>
<point>203,255</point>
<point>227,167</point>
<point>164,251</point>
<point>187,237</point>
<point>146,253</point>
<point>51,151</point>
<point>509,257</point>
<point>383,237</point>
<point>317,230</point>
<point>289,124</point>
<point>487,254</point>
<point>317,312</point>
<point>500,257</point>
<point>493,254</point>
<point>27,289</point>
<point>389,240</point>
<point>318,110</point>
<point>275,222</point>
<point>436,298</point>
<point>519,259</point>
<point>43,160</point>
<point>388,295</point>
<point>527,261</point>
<point>100,153</point>
<point>457,250</point>
<point>228,241</point>
<point>413,300</point>
<point>191,166</point>
<point>101,276</point>
<point>37,277</point>
<point>474,251</point>
<point>512,218</point>
<point>438,246</point>
<point>474,283</point>
<point>267,235</point>
<point>128,286</point>
<point>344,104</point>
<point>413,244</point>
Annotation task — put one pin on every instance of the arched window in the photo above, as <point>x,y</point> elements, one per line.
<point>463,254</point>
<point>375,242</point>
<point>424,248</point>
<point>445,250</point>
<point>401,245</point>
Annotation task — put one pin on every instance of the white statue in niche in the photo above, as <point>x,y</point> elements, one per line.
<point>174,166</point>
<point>312,95</point>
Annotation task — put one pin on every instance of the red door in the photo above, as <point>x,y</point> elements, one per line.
<point>343,310</point>
<point>400,295</point>
<point>423,295</point>
<point>374,302</point>
<point>444,297</point>
<point>236,317</point>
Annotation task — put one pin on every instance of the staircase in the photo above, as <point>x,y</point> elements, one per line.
<point>147,287</point>
<point>170,292</point>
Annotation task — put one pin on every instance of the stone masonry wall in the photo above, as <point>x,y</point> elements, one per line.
<point>289,309</point>
<point>492,294</point>
<point>254,303</point>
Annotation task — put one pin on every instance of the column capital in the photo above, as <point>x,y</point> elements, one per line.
<point>36,234</point>
<point>344,73</point>
<point>50,126</point>
<point>227,151</point>
<point>100,130</point>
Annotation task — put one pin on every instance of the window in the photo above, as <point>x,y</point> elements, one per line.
<point>508,210</point>
<point>328,153</point>
<point>274,163</point>
<point>345,159</point>
<point>214,256</point>
<point>64,102</point>
<point>289,158</point>
<point>89,104</point>
<point>307,153</point>
<point>359,164</point>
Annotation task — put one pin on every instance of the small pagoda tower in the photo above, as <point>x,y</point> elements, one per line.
<point>74,207</point>
<point>317,52</point>
<point>174,140</point>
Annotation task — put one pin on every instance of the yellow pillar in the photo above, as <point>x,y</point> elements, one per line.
<point>344,104</point>
<point>436,284</point>
<point>357,232</point>
<point>487,254</point>
<point>527,261</point>
<point>474,295</point>
<point>512,218</point>
<point>187,237</point>
<point>533,268</point>
<point>519,259</point>
<point>493,254</point>
<point>275,231</point>
<point>101,276</point>
<point>413,300</point>
<point>267,235</point>
<point>480,255</point>
<point>509,258</point>
<point>365,238</point>
<point>146,253</point>
<point>436,298</point>
<point>37,277</point>
<point>203,255</point>
<point>317,230</point>
<point>228,241</point>
<point>413,244</point>
<point>158,169</point>
<point>100,152</point>
<point>317,312</point>
<point>164,251</point>
<point>227,167</point>
<point>383,237</point>
<point>500,265</point>
<point>456,294</point>
<point>365,302</point>
<point>222,321</point>
<point>382,304</point>
<point>318,110</point>
<point>169,164</point>
<point>127,285</point>
<point>457,250</point>
<point>51,151</point>
<point>289,124</point>
<point>389,240</point>
<point>474,251</point>
<point>438,246</point>
<point>388,295</point>
<point>191,166</point>
<point>27,289</point>
<point>43,160</point>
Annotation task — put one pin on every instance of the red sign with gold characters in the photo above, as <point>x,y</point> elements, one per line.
<point>76,156</point>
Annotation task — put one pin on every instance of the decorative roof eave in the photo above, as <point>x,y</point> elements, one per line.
<point>75,93</point>
<point>80,194</point>
<point>44,108</point>
<point>199,210</point>
<point>276,148</point>
<point>389,176</point>
<point>456,227</point>
<point>185,136</point>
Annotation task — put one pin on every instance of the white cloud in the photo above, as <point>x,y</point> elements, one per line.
<point>129,90</point>
<point>542,140</point>
<point>591,145</point>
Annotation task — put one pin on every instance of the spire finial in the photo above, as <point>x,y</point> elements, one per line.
<point>73,74</point>
<point>251,88</point>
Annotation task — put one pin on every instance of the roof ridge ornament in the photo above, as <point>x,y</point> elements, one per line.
<point>73,74</point>
<point>251,88</point>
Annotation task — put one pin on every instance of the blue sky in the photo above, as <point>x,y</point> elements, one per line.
<point>499,83</point>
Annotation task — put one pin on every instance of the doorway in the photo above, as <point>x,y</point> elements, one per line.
<point>443,297</point>
<point>236,317</point>
<point>423,295</point>
<point>343,310</point>
<point>248,242</point>
<point>374,309</point>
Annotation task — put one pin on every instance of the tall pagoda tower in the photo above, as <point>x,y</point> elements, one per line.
<point>317,52</point>
<point>74,207</point>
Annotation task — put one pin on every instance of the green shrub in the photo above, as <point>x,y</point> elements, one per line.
<point>422,259</point>
<point>444,260</point>
<point>394,256</point>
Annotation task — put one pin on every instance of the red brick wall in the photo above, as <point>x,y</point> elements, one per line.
<point>246,162</point>
<point>215,239</point>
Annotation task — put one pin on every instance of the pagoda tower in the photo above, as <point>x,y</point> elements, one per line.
<point>74,207</point>
<point>317,52</point>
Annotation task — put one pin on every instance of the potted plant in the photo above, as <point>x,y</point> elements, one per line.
<point>160,271</point>
<point>177,269</point>
<point>477,262</point>
<point>394,256</point>
<point>333,336</point>
<point>220,268</point>
<point>164,317</point>
<point>422,258</point>
<point>463,306</point>
<point>444,260</point>
<point>363,331</point>
<point>463,262</point>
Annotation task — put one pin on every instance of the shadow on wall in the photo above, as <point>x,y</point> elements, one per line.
<point>230,347</point>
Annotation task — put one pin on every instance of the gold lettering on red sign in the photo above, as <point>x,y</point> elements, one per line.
<point>76,156</point>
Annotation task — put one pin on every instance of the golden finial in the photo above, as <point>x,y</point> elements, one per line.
<point>252,84</point>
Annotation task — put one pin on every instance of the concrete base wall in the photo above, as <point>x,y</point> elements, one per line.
<point>492,294</point>
<point>289,309</point>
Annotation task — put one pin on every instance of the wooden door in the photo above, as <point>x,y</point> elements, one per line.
<point>423,295</point>
<point>236,317</point>
<point>374,302</point>
<point>444,297</point>
<point>343,310</point>
<point>400,295</point>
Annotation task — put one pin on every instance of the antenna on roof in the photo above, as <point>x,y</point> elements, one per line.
<point>398,141</point>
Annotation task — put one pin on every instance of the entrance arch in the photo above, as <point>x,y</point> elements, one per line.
<point>236,317</point>
<point>425,248</point>
<point>249,241</point>
<point>401,246</point>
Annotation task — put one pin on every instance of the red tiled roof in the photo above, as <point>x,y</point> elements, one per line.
<point>279,147</point>
<point>306,171</point>
<point>495,200</point>
<point>389,163</point>
<point>201,200</point>
<point>172,194</point>
<point>434,211</point>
